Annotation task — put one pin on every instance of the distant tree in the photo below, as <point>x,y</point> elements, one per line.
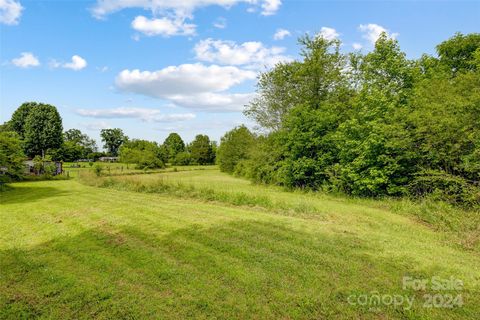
<point>201,150</point>
<point>11,157</point>
<point>113,139</point>
<point>143,153</point>
<point>19,118</point>
<point>75,139</point>
<point>235,146</point>
<point>183,159</point>
<point>173,145</point>
<point>42,130</point>
<point>74,135</point>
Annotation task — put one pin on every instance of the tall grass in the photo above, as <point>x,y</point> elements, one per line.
<point>163,185</point>
<point>463,224</point>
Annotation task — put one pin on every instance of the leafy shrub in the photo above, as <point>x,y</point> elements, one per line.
<point>443,186</point>
<point>98,169</point>
<point>182,159</point>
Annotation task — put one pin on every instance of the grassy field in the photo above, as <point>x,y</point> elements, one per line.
<point>72,169</point>
<point>201,244</point>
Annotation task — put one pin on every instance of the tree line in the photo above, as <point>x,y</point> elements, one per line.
<point>374,124</point>
<point>35,131</point>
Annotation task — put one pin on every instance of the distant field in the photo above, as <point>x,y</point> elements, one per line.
<point>201,244</point>
<point>116,168</point>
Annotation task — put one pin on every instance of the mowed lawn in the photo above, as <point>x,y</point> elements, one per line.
<point>68,250</point>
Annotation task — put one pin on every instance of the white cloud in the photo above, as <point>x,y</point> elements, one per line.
<point>179,7</point>
<point>147,115</point>
<point>253,54</point>
<point>372,32</point>
<point>219,102</point>
<point>357,46</point>
<point>169,16</point>
<point>77,63</point>
<point>194,86</point>
<point>10,11</point>
<point>163,26</point>
<point>95,126</point>
<point>270,7</point>
<point>281,34</point>
<point>26,60</point>
<point>173,80</point>
<point>220,23</point>
<point>328,33</point>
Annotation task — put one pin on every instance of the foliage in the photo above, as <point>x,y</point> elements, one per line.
<point>458,52</point>
<point>42,129</point>
<point>371,125</point>
<point>201,150</point>
<point>19,118</point>
<point>98,169</point>
<point>44,165</point>
<point>113,139</point>
<point>235,146</point>
<point>173,145</point>
<point>183,159</point>
<point>11,157</point>
<point>145,154</point>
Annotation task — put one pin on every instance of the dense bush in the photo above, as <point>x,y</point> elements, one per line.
<point>182,159</point>
<point>369,125</point>
<point>145,154</point>
<point>235,146</point>
<point>11,157</point>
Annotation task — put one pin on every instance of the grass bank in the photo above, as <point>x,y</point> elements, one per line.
<point>69,250</point>
<point>463,226</point>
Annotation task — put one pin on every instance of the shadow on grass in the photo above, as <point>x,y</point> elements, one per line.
<point>17,193</point>
<point>238,270</point>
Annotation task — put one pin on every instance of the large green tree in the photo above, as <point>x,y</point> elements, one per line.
<point>201,150</point>
<point>42,130</point>
<point>235,146</point>
<point>19,118</point>
<point>173,145</point>
<point>112,140</point>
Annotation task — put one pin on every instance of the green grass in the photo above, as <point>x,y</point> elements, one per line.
<point>70,250</point>
<point>116,168</point>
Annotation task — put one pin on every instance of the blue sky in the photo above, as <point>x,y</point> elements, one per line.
<point>152,67</point>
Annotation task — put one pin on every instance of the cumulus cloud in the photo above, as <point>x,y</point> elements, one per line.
<point>270,7</point>
<point>253,54</point>
<point>26,60</point>
<point>193,86</point>
<point>217,102</point>
<point>372,32</point>
<point>328,33</point>
<point>77,63</point>
<point>281,34</point>
<point>144,114</point>
<point>173,80</point>
<point>165,26</point>
<point>10,11</point>
<point>170,16</point>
